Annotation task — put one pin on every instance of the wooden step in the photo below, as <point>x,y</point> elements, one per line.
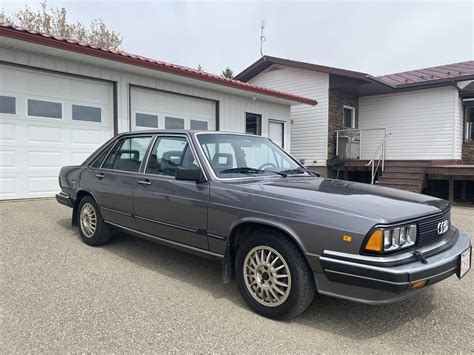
<point>405,179</point>
<point>401,186</point>
<point>405,169</point>
<point>403,175</point>
<point>408,163</point>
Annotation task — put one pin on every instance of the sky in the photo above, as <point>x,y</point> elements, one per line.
<point>376,37</point>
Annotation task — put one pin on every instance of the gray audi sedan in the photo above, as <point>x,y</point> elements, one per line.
<point>280,230</point>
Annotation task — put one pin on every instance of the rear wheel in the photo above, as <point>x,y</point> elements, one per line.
<point>273,275</point>
<point>92,228</point>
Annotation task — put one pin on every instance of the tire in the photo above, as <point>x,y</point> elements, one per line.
<point>92,228</point>
<point>281,257</point>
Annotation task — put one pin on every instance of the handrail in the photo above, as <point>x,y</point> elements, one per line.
<point>378,148</point>
<point>382,146</point>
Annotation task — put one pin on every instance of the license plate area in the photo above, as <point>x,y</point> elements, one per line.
<point>465,263</point>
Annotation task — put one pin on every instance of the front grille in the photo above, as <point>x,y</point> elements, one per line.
<point>428,228</point>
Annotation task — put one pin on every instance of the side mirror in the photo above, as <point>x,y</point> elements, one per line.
<point>189,174</point>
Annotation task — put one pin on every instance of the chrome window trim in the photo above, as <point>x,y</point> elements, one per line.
<point>190,144</point>
<point>126,136</point>
<point>211,170</point>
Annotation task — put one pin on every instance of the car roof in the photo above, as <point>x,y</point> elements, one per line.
<point>184,131</point>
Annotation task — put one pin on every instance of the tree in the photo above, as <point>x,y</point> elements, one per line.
<point>54,22</point>
<point>227,73</point>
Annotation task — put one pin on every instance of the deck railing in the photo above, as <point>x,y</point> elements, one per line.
<point>363,144</point>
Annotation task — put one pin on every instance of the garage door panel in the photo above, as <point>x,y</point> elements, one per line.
<point>79,157</point>
<point>82,136</point>
<point>7,187</point>
<point>33,149</point>
<point>7,132</point>
<point>7,158</point>
<point>42,185</point>
<point>44,134</point>
<point>44,159</point>
<point>152,103</point>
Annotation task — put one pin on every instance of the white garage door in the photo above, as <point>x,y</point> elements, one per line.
<point>156,109</point>
<point>47,121</point>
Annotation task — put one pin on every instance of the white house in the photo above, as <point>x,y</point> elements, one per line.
<point>60,99</point>
<point>427,116</point>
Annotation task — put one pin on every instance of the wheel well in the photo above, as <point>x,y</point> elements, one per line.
<point>79,196</point>
<point>241,232</point>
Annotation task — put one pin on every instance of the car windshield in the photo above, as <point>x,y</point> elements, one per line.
<point>232,156</point>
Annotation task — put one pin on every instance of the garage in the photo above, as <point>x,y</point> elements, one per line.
<point>166,110</point>
<point>48,121</point>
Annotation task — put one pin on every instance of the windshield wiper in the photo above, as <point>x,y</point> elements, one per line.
<point>250,171</point>
<point>299,171</point>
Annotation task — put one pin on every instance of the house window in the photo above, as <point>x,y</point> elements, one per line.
<point>253,124</point>
<point>348,117</point>
<point>86,113</point>
<point>276,131</point>
<point>146,120</point>
<point>8,104</point>
<point>174,123</point>
<point>48,109</point>
<point>470,124</point>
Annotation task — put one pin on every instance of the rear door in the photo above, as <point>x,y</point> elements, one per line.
<point>115,180</point>
<point>170,208</point>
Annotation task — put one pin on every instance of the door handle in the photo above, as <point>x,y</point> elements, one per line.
<point>99,176</point>
<point>144,182</point>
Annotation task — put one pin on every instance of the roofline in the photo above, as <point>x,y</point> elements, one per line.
<point>266,61</point>
<point>8,30</point>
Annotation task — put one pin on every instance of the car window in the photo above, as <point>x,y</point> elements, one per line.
<point>128,154</point>
<point>169,153</point>
<point>100,159</point>
<point>236,156</point>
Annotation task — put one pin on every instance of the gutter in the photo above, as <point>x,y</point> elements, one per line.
<point>21,34</point>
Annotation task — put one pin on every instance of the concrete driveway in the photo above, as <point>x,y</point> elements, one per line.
<point>58,295</point>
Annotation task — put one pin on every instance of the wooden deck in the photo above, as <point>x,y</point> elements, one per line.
<point>432,170</point>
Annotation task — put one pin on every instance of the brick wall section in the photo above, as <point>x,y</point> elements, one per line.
<point>337,100</point>
<point>468,153</point>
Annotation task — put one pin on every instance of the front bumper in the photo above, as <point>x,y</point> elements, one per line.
<point>64,199</point>
<point>358,281</point>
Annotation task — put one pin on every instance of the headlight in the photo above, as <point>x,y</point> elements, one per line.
<point>391,239</point>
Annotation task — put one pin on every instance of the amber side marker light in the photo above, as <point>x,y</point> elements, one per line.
<point>418,284</point>
<point>375,242</point>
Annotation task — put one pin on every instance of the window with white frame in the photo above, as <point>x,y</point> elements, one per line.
<point>348,117</point>
<point>469,117</point>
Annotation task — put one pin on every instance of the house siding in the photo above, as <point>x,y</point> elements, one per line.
<point>309,125</point>
<point>232,107</point>
<point>337,100</point>
<point>424,124</point>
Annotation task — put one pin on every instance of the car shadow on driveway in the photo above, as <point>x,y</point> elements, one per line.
<point>347,319</point>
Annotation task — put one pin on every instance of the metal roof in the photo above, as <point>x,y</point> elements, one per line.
<point>421,76</point>
<point>20,33</point>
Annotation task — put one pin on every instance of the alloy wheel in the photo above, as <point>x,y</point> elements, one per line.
<point>88,220</point>
<point>267,276</point>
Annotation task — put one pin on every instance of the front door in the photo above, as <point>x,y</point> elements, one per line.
<point>116,179</point>
<point>170,208</point>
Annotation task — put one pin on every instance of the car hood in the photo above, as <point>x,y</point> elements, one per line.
<point>383,204</point>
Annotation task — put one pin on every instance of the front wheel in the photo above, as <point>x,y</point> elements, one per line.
<point>92,228</point>
<point>273,275</point>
